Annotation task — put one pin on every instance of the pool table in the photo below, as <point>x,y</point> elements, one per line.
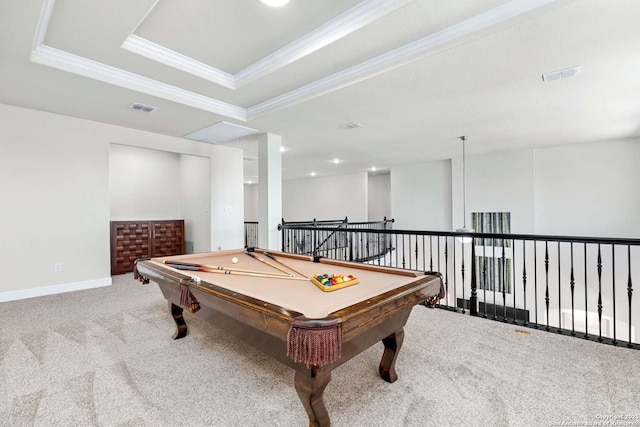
<point>266,299</point>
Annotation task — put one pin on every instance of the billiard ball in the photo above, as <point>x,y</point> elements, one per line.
<point>234,260</point>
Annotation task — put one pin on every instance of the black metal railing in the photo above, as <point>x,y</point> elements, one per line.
<point>324,238</point>
<point>575,286</point>
<point>250,234</point>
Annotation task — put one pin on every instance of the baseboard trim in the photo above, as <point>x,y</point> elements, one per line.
<point>54,289</point>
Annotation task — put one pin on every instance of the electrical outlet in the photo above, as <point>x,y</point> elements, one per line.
<point>57,267</point>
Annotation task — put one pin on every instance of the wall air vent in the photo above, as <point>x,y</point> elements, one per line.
<point>351,125</point>
<point>561,74</point>
<point>143,107</point>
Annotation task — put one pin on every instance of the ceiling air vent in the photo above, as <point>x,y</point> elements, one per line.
<point>351,125</point>
<point>143,107</point>
<point>561,74</point>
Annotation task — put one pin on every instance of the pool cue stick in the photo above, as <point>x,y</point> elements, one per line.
<point>234,273</point>
<point>282,263</point>
<point>220,267</point>
<point>254,256</point>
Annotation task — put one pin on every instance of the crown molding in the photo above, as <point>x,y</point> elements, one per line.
<point>158,53</point>
<point>75,64</point>
<point>395,58</point>
<point>357,17</point>
<point>69,62</point>
<point>43,23</point>
<point>348,22</point>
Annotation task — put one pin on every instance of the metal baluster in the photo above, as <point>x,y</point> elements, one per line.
<point>524,281</point>
<point>424,263</point>
<point>493,279</point>
<point>613,278</point>
<point>430,253</point>
<point>586,306</point>
<point>439,253</point>
<point>396,251</point>
<point>546,269</point>
<point>572,283</point>
<point>455,290</point>
<point>484,276</point>
<point>513,267</point>
<point>629,292</point>
<point>404,264</point>
<point>474,291</point>
<point>535,279</point>
<point>504,283</point>
<point>446,267</point>
<point>462,269</point>
<point>599,295</point>
<point>559,294</point>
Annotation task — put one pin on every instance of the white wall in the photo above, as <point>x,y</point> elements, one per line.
<point>251,202</point>
<point>140,180</point>
<point>589,189</point>
<point>379,187</point>
<point>54,184</point>
<point>54,189</point>
<point>421,196</point>
<point>496,182</point>
<point>227,201</point>
<point>332,197</point>
<point>195,202</point>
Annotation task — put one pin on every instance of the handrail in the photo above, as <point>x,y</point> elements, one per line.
<point>555,238</point>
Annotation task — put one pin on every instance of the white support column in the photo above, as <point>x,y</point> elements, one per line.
<point>269,190</point>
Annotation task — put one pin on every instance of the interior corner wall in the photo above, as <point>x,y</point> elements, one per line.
<point>379,200</point>
<point>323,198</point>
<point>195,202</point>
<point>227,200</point>
<point>139,181</point>
<point>496,182</point>
<point>421,196</point>
<point>589,189</point>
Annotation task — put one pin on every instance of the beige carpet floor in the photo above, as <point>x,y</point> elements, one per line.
<point>105,357</point>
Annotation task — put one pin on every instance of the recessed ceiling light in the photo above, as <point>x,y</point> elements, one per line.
<point>336,161</point>
<point>275,3</point>
<point>283,149</point>
<point>312,174</point>
<point>373,169</point>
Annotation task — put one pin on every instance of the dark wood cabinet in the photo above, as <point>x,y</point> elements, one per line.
<point>131,240</point>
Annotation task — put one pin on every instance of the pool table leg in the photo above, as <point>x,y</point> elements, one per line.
<point>310,384</point>
<point>176,312</point>
<point>392,345</point>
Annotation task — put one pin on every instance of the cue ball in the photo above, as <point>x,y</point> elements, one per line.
<point>234,260</point>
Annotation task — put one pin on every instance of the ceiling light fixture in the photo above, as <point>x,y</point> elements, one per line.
<point>464,229</point>
<point>275,3</point>
<point>312,174</point>
<point>282,149</point>
<point>336,161</point>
